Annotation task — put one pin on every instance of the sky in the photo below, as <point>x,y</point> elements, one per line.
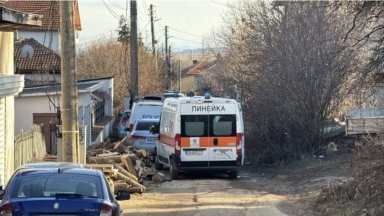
<point>188,21</point>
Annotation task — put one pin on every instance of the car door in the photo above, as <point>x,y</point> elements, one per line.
<point>222,139</point>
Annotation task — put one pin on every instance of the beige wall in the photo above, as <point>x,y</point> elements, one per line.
<point>7,68</point>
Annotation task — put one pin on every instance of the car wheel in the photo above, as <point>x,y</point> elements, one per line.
<point>232,174</point>
<point>172,170</point>
<point>158,165</point>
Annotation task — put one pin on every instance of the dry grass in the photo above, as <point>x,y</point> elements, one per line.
<point>363,194</point>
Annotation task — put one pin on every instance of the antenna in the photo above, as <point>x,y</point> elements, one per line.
<point>27,51</point>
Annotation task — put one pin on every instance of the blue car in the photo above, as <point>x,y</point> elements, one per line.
<point>59,188</point>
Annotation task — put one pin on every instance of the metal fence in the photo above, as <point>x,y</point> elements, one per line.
<point>30,146</point>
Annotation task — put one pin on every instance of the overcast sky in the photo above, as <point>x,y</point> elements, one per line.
<point>188,20</point>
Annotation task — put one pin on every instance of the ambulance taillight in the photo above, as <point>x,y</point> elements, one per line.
<point>239,142</point>
<point>177,144</point>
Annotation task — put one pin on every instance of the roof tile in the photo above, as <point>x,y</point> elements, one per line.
<point>43,58</point>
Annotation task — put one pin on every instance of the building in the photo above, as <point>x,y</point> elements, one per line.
<point>193,78</point>
<point>41,105</point>
<point>48,33</point>
<point>39,64</point>
<point>10,84</point>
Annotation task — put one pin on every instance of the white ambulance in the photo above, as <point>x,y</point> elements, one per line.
<point>200,133</point>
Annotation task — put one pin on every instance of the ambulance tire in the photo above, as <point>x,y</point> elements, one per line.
<point>232,174</point>
<point>158,165</point>
<point>172,170</point>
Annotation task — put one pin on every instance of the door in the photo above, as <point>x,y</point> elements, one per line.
<point>209,138</point>
<point>195,138</point>
<point>222,138</point>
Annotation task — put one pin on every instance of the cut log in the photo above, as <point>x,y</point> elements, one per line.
<point>139,167</point>
<point>104,160</point>
<point>130,181</point>
<point>141,153</point>
<point>125,172</point>
<point>149,171</point>
<point>109,154</point>
<point>126,187</point>
<point>126,160</point>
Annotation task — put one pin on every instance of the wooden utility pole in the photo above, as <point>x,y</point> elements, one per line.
<point>166,86</point>
<point>134,58</point>
<point>170,68</point>
<point>179,75</point>
<point>69,150</point>
<point>152,31</point>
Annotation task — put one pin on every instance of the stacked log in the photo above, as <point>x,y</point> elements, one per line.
<point>130,166</point>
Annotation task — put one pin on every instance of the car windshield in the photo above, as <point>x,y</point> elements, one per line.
<point>144,125</point>
<point>57,185</point>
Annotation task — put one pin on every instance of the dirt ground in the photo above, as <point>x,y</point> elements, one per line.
<point>258,191</point>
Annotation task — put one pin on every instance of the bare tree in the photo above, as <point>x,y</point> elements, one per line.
<point>111,58</point>
<point>293,69</point>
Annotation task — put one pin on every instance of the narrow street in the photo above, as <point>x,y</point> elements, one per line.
<point>283,190</point>
<point>204,195</point>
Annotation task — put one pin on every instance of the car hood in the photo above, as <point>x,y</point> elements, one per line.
<point>57,206</point>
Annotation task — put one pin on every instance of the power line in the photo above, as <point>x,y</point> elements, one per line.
<point>112,12</point>
<point>186,40</point>
<point>199,36</point>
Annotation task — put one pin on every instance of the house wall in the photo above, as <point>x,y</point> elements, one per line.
<point>9,86</point>
<point>48,39</point>
<point>25,106</point>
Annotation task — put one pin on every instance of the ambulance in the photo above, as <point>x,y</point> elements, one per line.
<point>200,133</point>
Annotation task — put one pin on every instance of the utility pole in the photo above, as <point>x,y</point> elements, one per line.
<point>179,76</point>
<point>69,149</point>
<point>202,50</point>
<point>166,86</point>
<point>170,68</point>
<point>152,31</point>
<point>134,58</point>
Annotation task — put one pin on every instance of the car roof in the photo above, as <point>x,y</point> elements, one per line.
<point>140,103</point>
<point>56,167</point>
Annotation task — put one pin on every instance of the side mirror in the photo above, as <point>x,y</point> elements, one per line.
<point>123,195</point>
<point>2,192</point>
<point>154,129</point>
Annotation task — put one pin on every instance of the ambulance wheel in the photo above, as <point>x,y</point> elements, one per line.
<point>232,174</point>
<point>172,170</point>
<point>158,165</point>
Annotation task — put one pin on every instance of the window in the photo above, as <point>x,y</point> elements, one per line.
<point>48,185</point>
<point>223,125</point>
<point>208,125</point>
<point>144,125</point>
<point>194,125</point>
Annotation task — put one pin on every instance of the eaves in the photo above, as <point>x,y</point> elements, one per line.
<point>11,19</point>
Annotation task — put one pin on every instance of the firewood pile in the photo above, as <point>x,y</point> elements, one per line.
<point>124,166</point>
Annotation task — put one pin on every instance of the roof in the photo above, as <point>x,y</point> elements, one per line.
<point>55,167</point>
<point>82,86</point>
<point>13,19</point>
<point>50,9</point>
<point>197,68</point>
<point>42,59</point>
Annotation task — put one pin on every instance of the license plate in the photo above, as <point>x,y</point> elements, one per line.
<point>192,153</point>
<point>150,139</point>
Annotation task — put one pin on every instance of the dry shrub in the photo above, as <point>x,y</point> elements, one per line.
<point>364,192</point>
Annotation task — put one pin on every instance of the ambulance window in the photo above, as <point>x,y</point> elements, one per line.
<point>194,125</point>
<point>223,125</point>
